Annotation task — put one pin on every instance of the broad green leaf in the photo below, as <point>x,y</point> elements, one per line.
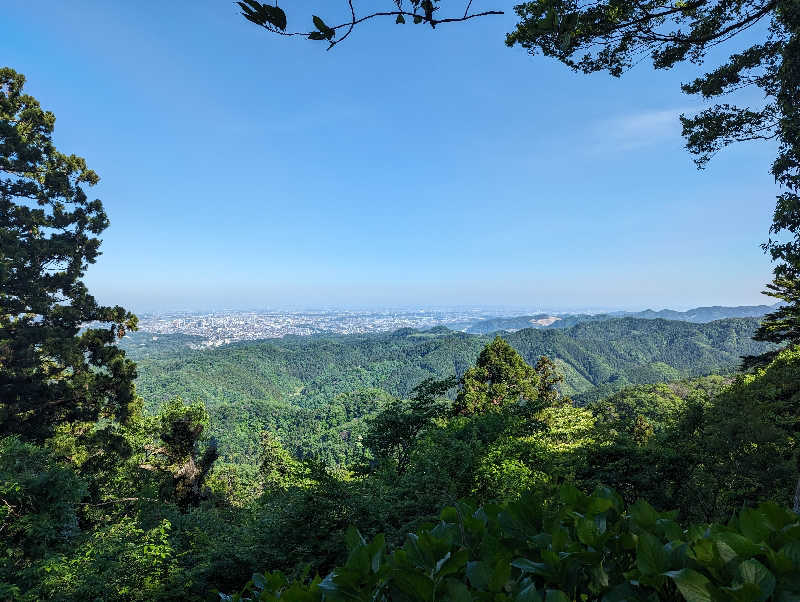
<point>694,586</point>
<point>528,566</point>
<point>353,538</point>
<point>752,571</point>
<point>528,594</point>
<point>792,551</point>
<point>651,557</point>
<point>458,591</point>
<point>643,514</point>
<point>754,525</point>
<point>499,575</point>
<point>479,574</point>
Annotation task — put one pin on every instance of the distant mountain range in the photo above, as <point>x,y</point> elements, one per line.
<point>698,315</point>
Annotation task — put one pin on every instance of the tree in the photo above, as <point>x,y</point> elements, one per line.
<point>549,380</point>
<point>277,465</point>
<point>499,378</point>
<point>394,431</point>
<point>612,35</point>
<point>180,429</point>
<point>53,371</point>
<point>38,508</point>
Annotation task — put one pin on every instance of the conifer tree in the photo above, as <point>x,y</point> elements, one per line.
<point>500,377</point>
<point>54,370</point>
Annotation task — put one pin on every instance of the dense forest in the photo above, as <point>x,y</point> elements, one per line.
<point>625,459</point>
<point>314,392</point>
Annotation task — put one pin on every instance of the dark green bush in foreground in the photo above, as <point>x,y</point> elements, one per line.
<point>589,547</point>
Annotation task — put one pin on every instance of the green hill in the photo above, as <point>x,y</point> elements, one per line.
<point>315,391</point>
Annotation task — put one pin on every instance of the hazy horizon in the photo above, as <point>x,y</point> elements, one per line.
<point>493,309</point>
<point>483,179</point>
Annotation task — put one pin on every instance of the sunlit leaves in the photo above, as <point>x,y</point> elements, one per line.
<point>523,554</point>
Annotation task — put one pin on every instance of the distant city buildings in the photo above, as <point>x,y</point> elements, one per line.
<point>221,328</point>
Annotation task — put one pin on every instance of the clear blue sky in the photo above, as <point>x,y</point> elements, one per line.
<point>406,167</point>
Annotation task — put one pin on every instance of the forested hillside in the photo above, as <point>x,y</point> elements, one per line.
<point>619,459</point>
<point>315,391</point>
<point>698,315</point>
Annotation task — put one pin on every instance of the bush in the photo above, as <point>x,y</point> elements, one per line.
<point>584,547</point>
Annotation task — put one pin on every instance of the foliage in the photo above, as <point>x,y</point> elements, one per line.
<point>581,547</point>
<point>278,468</point>
<point>393,432</point>
<point>612,36</point>
<point>38,506</point>
<point>750,435</point>
<point>180,430</point>
<point>274,19</point>
<point>51,371</point>
<point>316,394</point>
<point>699,446</point>
<point>499,378</point>
<point>120,562</point>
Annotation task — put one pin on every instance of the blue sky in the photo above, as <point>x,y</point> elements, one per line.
<point>405,167</point>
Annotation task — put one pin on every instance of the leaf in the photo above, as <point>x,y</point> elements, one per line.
<point>400,20</point>
<point>528,566</point>
<point>417,586</point>
<point>452,563</point>
<point>752,571</point>
<point>556,595</point>
<point>651,557</point>
<point>643,514</point>
<point>500,575</point>
<point>587,530</point>
<point>792,551</point>
<point>276,17</point>
<point>353,538</point>
<point>457,591</point>
<point>315,35</point>
<point>694,586</point>
<point>754,524</point>
<point>319,23</point>
<point>479,574</point>
<point>417,19</point>
<point>253,19</point>
<point>528,594</point>
<point>598,504</point>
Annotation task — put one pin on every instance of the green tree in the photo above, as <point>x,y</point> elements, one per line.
<point>394,431</point>
<point>278,468</point>
<point>500,377</point>
<point>38,510</point>
<point>52,371</point>
<point>612,35</point>
<point>549,381</point>
<point>180,428</point>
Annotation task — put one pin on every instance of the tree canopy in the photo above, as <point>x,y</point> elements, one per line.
<point>53,370</point>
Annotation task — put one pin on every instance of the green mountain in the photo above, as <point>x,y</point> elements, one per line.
<point>315,391</point>
<point>697,315</point>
